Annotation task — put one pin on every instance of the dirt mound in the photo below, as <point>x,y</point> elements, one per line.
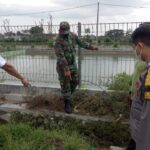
<point>53,103</point>
<point>100,104</point>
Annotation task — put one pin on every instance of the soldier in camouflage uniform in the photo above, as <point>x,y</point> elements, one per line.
<point>66,62</point>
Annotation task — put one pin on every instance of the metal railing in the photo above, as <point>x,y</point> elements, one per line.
<point>29,49</point>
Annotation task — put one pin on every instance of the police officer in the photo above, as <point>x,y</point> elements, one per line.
<point>140,109</point>
<point>65,45</point>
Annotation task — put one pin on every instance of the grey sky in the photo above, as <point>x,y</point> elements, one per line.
<point>84,15</point>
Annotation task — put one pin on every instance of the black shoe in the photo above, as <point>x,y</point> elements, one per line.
<point>132,145</point>
<point>68,107</point>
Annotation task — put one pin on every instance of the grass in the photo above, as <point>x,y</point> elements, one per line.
<point>25,137</point>
<point>12,53</point>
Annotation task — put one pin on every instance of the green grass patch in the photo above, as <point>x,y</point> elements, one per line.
<point>121,82</point>
<point>25,137</point>
<point>98,132</point>
<point>8,54</point>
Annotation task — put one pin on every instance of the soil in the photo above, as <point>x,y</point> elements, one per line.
<point>52,103</point>
<point>115,105</point>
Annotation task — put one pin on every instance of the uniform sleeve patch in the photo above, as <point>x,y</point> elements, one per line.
<point>147,95</point>
<point>147,81</point>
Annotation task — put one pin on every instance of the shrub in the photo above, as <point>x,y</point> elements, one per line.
<point>50,43</point>
<point>121,82</point>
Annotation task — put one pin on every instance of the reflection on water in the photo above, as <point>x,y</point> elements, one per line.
<point>95,69</point>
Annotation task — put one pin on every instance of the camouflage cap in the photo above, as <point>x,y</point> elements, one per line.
<point>64,28</point>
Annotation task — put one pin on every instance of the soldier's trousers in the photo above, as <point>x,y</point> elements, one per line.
<point>68,86</point>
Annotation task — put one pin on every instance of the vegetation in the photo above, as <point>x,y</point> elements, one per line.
<point>121,82</point>
<point>50,43</point>
<point>36,30</point>
<point>112,38</point>
<point>99,132</point>
<point>25,137</point>
<point>12,53</point>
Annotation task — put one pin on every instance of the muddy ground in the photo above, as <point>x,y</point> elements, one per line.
<point>115,105</point>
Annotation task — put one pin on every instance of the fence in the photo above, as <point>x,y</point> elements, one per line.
<point>29,49</point>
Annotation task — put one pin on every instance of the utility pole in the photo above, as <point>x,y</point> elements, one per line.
<point>6,24</point>
<point>41,23</point>
<point>79,55</point>
<point>50,24</point>
<point>97,23</point>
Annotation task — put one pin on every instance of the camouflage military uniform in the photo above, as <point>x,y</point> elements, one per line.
<point>66,61</point>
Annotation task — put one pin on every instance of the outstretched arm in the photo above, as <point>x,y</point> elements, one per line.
<point>12,71</point>
<point>84,44</point>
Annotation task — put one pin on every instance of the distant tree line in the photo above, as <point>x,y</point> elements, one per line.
<point>36,35</point>
<point>33,35</point>
<point>112,38</point>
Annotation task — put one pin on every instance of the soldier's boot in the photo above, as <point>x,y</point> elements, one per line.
<point>68,106</point>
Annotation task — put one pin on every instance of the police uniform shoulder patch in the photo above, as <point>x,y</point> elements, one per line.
<point>147,84</point>
<point>147,95</point>
<point>147,80</point>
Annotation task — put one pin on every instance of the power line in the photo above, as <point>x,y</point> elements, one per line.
<point>71,8</point>
<point>118,5</point>
<point>55,11</point>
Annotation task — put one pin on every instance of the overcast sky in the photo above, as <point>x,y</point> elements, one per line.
<point>10,8</point>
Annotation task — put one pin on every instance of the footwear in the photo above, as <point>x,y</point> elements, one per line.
<point>68,106</point>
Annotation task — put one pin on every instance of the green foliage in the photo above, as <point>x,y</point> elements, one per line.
<point>39,38</point>
<point>121,82</point>
<point>36,30</point>
<point>11,53</point>
<point>8,45</point>
<point>115,45</point>
<point>88,39</point>
<point>105,40</point>
<point>9,40</point>
<point>108,41</point>
<point>32,46</point>
<point>26,39</point>
<point>98,132</point>
<point>24,137</point>
<point>115,38</point>
<point>100,104</point>
<point>50,43</point>
<point>116,33</point>
<point>3,45</point>
<point>87,30</point>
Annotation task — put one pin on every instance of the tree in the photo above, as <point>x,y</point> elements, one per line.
<point>129,33</point>
<point>127,38</point>
<point>9,33</point>
<point>36,30</point>
<point>108,41</point>
<point>26,32</point>
<point>18,33</point>
<point>87,31</point>
<point>50,43</point>
<point>115,34</point>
